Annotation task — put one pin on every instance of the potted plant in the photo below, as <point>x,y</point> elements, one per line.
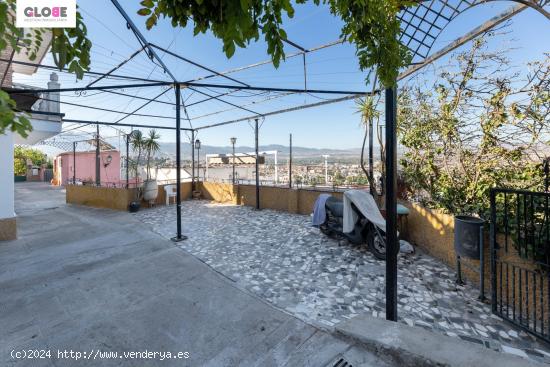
<point>138,142</point>
<point>151,146</point>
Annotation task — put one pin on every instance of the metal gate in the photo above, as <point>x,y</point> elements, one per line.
<point>520,259</point>
<point>48,174</point>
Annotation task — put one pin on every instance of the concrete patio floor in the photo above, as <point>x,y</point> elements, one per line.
<point>282,259</point>
<point>91,280</point>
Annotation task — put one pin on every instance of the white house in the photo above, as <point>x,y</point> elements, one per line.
<point>45,124</point>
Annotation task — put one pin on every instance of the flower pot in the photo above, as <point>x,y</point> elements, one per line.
<point>150,190</point>
<point>133,207</point>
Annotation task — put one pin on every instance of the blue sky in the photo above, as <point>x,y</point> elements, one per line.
<point>333,126</point>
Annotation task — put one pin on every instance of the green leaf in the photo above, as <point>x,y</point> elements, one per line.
<point>144,11</point>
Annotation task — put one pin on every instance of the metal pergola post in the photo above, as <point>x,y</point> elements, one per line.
<point>128,160</point>
<point>392,241</point>
<point>193,160</point>
<point>371,155</point>
<point>233,159</point>
<point>74,162</point>
<point>290,162</point>
<point>97,158</point>
<point>256,130</point>
<point>179,237</point>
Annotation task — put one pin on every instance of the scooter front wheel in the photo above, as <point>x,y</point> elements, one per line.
<point>376,243</point>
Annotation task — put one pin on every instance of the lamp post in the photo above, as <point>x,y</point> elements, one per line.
<point>326,168</point>
<point>233,141</point>
<point>198,148</point>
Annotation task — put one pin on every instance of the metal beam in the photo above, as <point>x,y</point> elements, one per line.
<point>189,85</point>
<point>196,64</point>
<point>55,68</point>
<point>100,109</point>
<point>277,112</point>
<point>223,101</point>
<point>116,67</point>
<point>142,40</point>
<point>89,122</point>
<point>144,105</point>
<point>270,61</point>
<point>81,89</point>
<point>269,89</point>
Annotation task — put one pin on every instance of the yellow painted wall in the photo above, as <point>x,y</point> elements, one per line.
<point>115,198</point>
<point>298,201</point>
<point>99,197</point>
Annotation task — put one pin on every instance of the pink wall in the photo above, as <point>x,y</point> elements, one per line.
<point>85,167</point>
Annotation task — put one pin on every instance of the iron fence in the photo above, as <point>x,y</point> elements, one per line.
<point>520,259</point>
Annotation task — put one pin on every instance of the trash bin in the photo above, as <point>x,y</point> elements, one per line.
<point>468,236</point>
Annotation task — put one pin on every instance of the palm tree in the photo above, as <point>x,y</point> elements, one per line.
<point>367,108</point>
<point>138,144</point>
<point>151,146</point>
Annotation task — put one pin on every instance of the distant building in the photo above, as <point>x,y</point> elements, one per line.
<point>81,167</point>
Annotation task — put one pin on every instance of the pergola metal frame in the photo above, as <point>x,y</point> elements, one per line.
<point>421,27</point>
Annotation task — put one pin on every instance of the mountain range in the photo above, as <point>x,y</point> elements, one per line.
<point>297,152</point>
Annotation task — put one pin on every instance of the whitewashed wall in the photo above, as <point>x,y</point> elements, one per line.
<point>6,176</point>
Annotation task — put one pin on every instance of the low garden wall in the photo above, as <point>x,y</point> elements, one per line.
<point>115,198</point>
<point>297,201</point>
<point>433,231</point>
<point>99,197</point>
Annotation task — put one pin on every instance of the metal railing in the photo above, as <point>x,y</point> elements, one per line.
<point>283,184</point>
<point>520,259</point>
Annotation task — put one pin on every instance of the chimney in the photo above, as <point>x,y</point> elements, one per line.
<point>53,103</point>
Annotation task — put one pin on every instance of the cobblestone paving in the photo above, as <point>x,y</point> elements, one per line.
<point>281,258</point>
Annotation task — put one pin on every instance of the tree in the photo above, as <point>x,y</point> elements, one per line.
<point>372,25</point>
<point>21,155</point>
<point>482,126</point>
<point>151,146</point>
<point>138,145</point>
<point>367,107</point>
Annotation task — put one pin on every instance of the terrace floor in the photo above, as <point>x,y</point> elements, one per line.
<point>100,283</point>
<point>281,258</point>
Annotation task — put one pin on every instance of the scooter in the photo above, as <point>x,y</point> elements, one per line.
<point>364,230</point>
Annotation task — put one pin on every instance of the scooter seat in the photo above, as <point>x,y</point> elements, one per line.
<point>336,206</point>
